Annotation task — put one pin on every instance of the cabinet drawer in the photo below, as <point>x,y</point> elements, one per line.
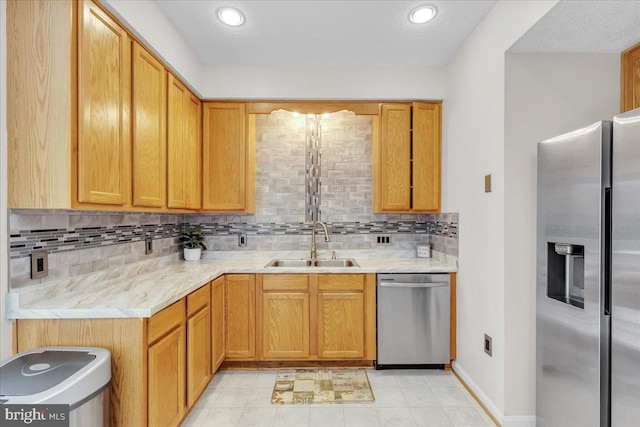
<point>285,282</point>
<point>198,299</point>
<point>341,282</point>
<point>165,320</point>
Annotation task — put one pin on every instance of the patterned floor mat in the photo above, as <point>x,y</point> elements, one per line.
<point>322,386</point>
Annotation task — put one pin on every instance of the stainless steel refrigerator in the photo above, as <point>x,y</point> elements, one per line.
<point>588,276</point>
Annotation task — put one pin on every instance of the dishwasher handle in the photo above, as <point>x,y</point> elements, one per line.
<point>384,284</point>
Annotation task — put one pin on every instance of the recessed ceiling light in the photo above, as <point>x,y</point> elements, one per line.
<point>422,14</point>
<point>230,16</point>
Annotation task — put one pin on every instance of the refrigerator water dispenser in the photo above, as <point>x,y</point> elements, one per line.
<point>565,275</point>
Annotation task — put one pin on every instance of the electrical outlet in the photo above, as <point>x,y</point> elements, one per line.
<point>39,264</point>
<point>242,239</point>
<point>148,245</point>
<point>383,239</point>
<point>488,347</point>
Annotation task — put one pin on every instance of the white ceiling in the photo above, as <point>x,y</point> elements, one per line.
<point>325,32</point>
<point>584,26</point>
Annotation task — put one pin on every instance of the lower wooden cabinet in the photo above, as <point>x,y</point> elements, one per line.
<point>340,325</point>
<point>198,343</point>
<point>341,316</point>
<point>283,316</point>
<point>160,365</point>
<point>166,379</point>
<point>218,348</point>
<point>316,317</point>
<point>241,316</point>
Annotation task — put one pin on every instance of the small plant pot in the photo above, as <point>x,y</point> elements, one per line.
<point>192,254</point>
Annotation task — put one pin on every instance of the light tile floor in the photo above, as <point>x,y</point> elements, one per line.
<point>403,398</point>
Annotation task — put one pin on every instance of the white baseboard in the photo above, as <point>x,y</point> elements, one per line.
<point>519,421</point>
<point>505,421</point>
<point>493,409</point>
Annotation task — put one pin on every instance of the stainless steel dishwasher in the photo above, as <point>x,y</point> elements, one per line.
<point>413,320</point>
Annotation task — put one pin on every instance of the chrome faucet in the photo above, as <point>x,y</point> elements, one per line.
<point>313,237</point>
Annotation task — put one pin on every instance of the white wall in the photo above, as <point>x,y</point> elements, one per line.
<point>148,22</point>
<point>474,147</point>
<point>5,325</point>
<point>325,82</point>
<point>546,95</point>
<point>145,19</point>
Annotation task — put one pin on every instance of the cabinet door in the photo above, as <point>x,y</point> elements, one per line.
<point>426,157</point>
<point>241,316</point>
<point>285,326</point>
<point>193,155</point>
<point>340,325</point>
<point>394,186</point>
<point>176,159</point>
<point>198,354</point>
<point>630,65</point>
<point>224,157</point>
<point>166,380</point>
<point>217,323</point>
<point>104,79</point>
<point>149,129</point>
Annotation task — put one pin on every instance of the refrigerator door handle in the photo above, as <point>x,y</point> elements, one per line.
<point>608,229</point>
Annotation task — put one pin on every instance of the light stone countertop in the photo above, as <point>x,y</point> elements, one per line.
<point>144,288</point>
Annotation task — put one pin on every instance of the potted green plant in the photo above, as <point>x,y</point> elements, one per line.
<point>192,243</point>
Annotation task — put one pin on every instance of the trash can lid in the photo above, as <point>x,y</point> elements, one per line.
<point>55,375</point>
<point>36,372</point>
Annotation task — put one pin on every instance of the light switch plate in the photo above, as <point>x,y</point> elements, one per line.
<point>39,264</point>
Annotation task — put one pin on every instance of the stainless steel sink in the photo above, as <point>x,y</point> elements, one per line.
<point>336,263</point>
<point>290,263</point>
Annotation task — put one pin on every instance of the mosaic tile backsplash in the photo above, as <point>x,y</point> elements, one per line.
<point>83,242</point>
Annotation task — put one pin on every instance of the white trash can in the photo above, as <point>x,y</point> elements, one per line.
<point>74,376</point>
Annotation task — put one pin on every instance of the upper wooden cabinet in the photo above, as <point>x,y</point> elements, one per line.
<point>40,109</point>
<point>426,157</point>
<point>104,78</point>
<point>407,158</point>
<point>69,96</point>
<point>87,113</point>
<point>193,144</point>
<point>630,79</point>
<point>395,157</point>
<point>149,129</point>
<point>227,158</point>
<point>184,147</point>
